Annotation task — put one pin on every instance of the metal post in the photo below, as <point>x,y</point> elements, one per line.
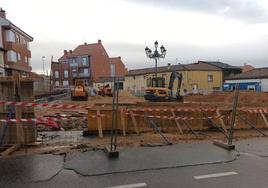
<point>155,68</point>
<point>111,151</point>
<point>156,81</point>
<point>116,111</point>
<point>113,116</point>
<point>230,136</point>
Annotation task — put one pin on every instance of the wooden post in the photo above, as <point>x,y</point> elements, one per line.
<point>134,122</point>
<point>177,122</point>
<point>221,120</point>
<point>99,124</point>
<point>18,110</point>
<point>123,122</point>
<point>19,129</point>
<point>264,119</point>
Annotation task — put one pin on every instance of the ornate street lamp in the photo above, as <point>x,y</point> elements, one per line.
<point>155,54</point>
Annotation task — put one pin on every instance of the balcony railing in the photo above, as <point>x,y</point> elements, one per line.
<point>73,64</point>
<point>83,74</point>
<point>75,75</point>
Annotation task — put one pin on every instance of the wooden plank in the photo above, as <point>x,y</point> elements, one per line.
<point>10,150</point>
<point>264,119</point>
<point>221,121</point>
<point>123,122</point>
<point>134,122</point>
<point>99,124</point>
<point>19,129</point>
<point>177,122</point>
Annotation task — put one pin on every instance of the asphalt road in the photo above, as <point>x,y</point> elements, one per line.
<point>198,164</point>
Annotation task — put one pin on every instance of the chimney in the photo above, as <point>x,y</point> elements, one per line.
<point>70,51</point>
<point>65,52</point>
<point>85,43</point>
<point>2,13</point>
<point>99,41</point>
<point>119,57</point>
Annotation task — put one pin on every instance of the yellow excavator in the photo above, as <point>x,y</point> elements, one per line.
<point>158,93</point>
<point>79,93</point>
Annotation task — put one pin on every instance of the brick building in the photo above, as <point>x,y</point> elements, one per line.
<point>89,62</point>
<point>14,48</point>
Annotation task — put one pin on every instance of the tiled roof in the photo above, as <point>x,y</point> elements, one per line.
<point>85,49</point>
<point>253,74</point>
<point>247,68</point>
<point>190,67</point>
<point>220,64</point>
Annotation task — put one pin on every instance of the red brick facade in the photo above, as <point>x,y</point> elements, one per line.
<point>120,69</point>
<point>15,47</point>
<point>88,61</point>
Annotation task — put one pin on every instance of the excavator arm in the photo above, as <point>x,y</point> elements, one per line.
<point>175,75</point>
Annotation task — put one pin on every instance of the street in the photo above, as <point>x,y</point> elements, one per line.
<point>195,164</point>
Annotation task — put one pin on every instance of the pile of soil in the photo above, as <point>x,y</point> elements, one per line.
<point>246,98</point>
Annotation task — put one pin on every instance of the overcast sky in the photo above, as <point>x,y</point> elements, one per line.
<point>232,31</point>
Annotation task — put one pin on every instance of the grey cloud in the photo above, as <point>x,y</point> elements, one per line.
<point>246,10</point>
<point>47,49</point>
<point>133,55</point>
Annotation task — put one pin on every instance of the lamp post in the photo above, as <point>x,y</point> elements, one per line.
<point>43,61</point>
<point>155,54</point>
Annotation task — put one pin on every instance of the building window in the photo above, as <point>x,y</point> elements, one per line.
<point>210,78</point>
<point>17,38</point>
<point>25,59</point>
<point>56,74</point>
<point>73,60</point>
<point>57,83</point>
<point>1,60</point>
<point>19,57</point>
<point>84,61</point>
<point>149,82</point>
<point>65,73</point>
<point>113,70</point>
<point>10,36</point>
<point>65,83</point>
<point>85,71</point>
<point>11,56</point>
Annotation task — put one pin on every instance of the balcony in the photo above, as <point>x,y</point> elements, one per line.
<point>19,48</point>
<point>80,75</point>
<point>73,64</point>
<point>74,75</point>
<point>83,74</point>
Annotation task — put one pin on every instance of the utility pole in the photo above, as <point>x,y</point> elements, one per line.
<point>43,61</point>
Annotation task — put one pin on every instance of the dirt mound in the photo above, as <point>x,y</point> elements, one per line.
<point>246,98</point>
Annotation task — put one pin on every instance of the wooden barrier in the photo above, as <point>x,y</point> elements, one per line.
<point>135,119</point>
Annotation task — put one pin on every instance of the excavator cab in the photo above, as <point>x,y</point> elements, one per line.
<point>156,91</point>
<point>158,82</point>
<point>159,93</point>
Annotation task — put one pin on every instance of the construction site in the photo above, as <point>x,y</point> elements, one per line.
<point>64,125</point>
<point>189,110</point>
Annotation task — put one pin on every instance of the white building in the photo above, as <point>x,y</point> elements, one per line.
<point>256,79</point>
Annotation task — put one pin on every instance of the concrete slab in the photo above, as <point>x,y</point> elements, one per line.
<point>137,159</point>
<point>29,168</point>
<point>257,146</point>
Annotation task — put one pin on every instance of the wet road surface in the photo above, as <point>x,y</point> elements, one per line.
<point>170,166</point>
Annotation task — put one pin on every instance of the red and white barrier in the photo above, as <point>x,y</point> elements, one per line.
<point>48,105</point>
<point>172,109</point>
<point>256,111</point>
<point>49,121</point>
